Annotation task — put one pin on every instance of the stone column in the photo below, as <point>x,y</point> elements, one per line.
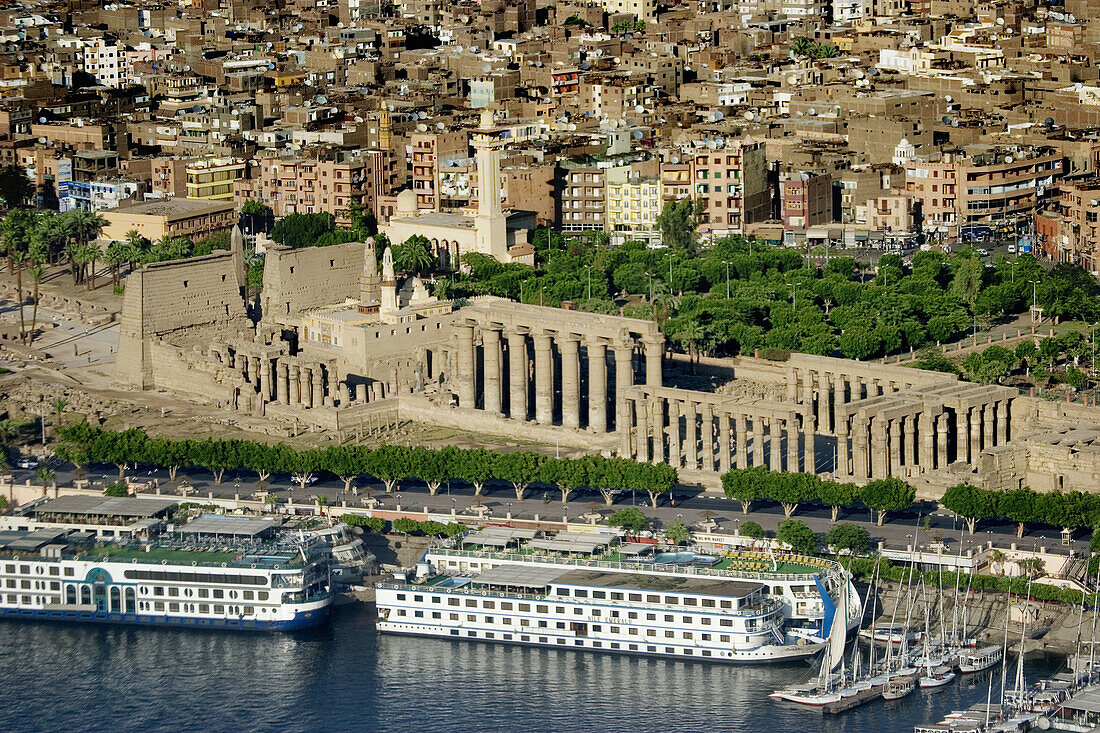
<point>909,457</point>
<point>792,445</point>
<point>624,374</point>
<point>843,466</point>
<point>307,387</point>
<point>1002,422</point>
<point>544,380</point>
<point>490,340</point>
<point>642,433</point>
<point>742,440</point>
<point>860,467</point>
<point>625,447</point>
<point>962,434</point>
<point>878,448</point>
<point>809,455</point>
<point>361,393</point>
<point>987,427</point>
<point>597,386</point>
<point>466,378</point>
<point>675,448</point>
<point>570,382</point>
<point>517,375</point>
<point>344,394</point>
<point>296,385</point>
<point>941,440</point>
<point>706,435</point>
<point>654,352</point>
<point>724,447</point>
<point>657,427</point>
<point>691,434</point>
<point>318,387</point>
<point>975,434</point>
<point>927,458</point>
<point>775,444</point>
<point>284,382</point>
<point>266,382</point>
<point>897,453</point>
<point>757,441</point>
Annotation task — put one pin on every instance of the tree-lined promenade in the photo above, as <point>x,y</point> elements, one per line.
<point>81,443</point>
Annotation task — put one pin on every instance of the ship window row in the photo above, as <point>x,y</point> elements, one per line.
<point>582,642</point>
<point>218,609</point>
<point>526,608</point>
<point>217,593</point>
<point>38,584</point>
<point>649,598</point>
<point>26,570</point>
<point>185,577</point>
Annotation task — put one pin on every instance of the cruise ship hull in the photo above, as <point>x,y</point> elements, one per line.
<point>309,616</point>
<point>760,655</point>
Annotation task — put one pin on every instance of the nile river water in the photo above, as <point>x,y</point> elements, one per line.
<point>69,677</point>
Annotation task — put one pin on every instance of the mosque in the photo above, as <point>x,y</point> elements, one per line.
<point>490,230</point>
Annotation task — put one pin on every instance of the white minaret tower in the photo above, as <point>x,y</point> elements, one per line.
<point>389,284</point>
<point>490,224</point>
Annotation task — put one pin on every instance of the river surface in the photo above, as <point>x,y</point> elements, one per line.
<point>345,676</point>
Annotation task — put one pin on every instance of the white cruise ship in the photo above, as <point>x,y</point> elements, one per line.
<point>123,560</point>
<point>590,591</point>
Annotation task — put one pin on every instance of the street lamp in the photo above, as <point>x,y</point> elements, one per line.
<point>727,264</point>
<point>1034,299</point>
<point>793,286</point>
<point>670,270</point>
<point>589,268</point>
<point>542,292</point>
<point>650,275</point>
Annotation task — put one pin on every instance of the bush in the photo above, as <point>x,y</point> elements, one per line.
<point>753,530</point>
<point>116,489</point>
<point>630,519</point>
<point>850,537</point>
<point>376,524</point>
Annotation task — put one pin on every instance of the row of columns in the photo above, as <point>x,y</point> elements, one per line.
<point>824,393</point>
<point>520,345</point>
<point>701,435</point>
<point>905,444</point>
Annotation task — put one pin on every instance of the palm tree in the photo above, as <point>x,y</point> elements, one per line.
<point>117,253</point>
<point>37,254</point>
<point>414,255</point>
<point>45,475</point>
<point>802,46</point>
<point>94,255</point>
<point>86,226</point>
<point>17,258</point>
<point>824,51</point>
<point>58,406</point>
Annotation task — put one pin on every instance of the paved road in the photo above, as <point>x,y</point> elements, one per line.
<point>71,343</point>
<point>688,505</point>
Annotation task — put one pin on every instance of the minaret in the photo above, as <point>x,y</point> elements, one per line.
<point>385,134</point>
<point>370,290</point>
<point>236,248</point>
<point>490,224</point>
<point>389,284</point>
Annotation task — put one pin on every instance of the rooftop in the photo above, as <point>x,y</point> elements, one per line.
<point>175,206</point>
<point>659,583</point>
<point>99,506</point>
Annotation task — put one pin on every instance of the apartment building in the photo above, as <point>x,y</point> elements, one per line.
<point>325,183</point>
<point>1072,234</point>
<point>806,200</point>
<point>213,179</point>
<point>731,177</point>
<point>982,184</point>
<point>633,205</point>
<point>581,196</point>
<point>103,59</point>
<point>431,151</point>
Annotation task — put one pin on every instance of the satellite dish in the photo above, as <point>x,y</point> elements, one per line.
<point>440,126</point>
<point>42,120</point>
<point>421,115</point>
<point>1049,122</point>
<point>948,99</point>
<point>748,115</point>
<point>792,79</point>
<point>812,112</point>
<point>638,135</point>
<point>1000,21</point>
<point>955,122</point>
<point>674,159</point>
<point>718,114</point>
<point>639,109</point>
<point>1008,158</point>
<point>946,120</point>
<point>421,128</point>
<point>321,99</point>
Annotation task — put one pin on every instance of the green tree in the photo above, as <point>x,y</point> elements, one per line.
<point>851,537</point>
<point>431,466</point>
<point>389,464</point>
<point>679,224</point>
<point>475,466</point>
<point>16,188</point>
<point>677,532</point>
<point>520,468</point>
<point>835,495</point>
<point>970,502</point>
<point>931,359</point>
<point>798,536</point>
<point>887,495</point>
<point>752,529</point>
<point>630,519</point>
<point>454,529</point>
<point>433,528</point>
<point>791,489</point>
<point>45,476</point>
<point>745,485</point>
<point>303,230</point>
<point>1020,506</point>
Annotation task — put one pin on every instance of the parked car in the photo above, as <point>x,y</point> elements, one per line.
<point>1012,249</point>
<point>27,462</point>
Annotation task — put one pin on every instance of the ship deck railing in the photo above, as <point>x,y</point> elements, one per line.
<point>826,566</point>
<point>758,609</point>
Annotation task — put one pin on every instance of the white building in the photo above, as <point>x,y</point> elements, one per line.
<point>103,60</point>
